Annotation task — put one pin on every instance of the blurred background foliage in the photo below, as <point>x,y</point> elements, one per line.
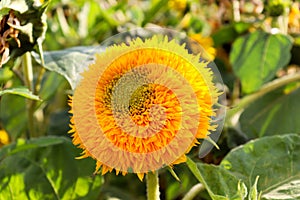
<point>255,44</point>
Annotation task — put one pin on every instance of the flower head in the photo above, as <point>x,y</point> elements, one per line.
<point>206,45</point>
<point>142,106</point>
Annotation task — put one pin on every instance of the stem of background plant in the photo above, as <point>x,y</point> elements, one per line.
<point>152,186</point>
<point>28,78</point>
<point>193,192</point>
<point>264,90</point>
<point>42,69</point>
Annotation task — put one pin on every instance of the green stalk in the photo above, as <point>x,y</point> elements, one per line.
<point>42,69</point>
<point>152,186</point>
<point>240,106</point>
<point>28,79</point>
<point>192,193</point>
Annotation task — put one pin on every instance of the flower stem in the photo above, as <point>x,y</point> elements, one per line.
<point>152,186</point>
<point>27,69</point>
<point>28,79</point>
<point>193,192</point>
<point>246,101</point>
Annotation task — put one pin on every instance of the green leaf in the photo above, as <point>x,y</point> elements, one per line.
<point>263,117</point>
<point>22,145</point>
<point>241,27</point>
<point>24,92</point>
<point>156,7</point>
<point>219,183</point>
<point>256,57</point>
<point>274,159</point>
<point>289,190</point>
<point>226,34</point>
<point>13,115</point>
<point>137,15</point>
<point>46,170</point>
<point>51,83</point>
<point>5,74</point>
<point>69,62</point>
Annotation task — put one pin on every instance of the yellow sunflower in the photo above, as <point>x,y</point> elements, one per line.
<point>142,106</point>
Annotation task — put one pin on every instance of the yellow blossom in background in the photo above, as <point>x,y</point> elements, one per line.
<point>142,106</point>
<point>178,5</point>
<point>294,17</point>
<point>206,43</point>
<point>4,138</point>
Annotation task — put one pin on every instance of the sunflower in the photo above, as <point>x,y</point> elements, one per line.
<point>142,106</point>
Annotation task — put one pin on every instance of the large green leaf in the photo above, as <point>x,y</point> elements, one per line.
<point>256,57</point>
<point>46,168</point>
<point>69,62</point>
<point>276,113</point>
<point>274,159</point>
<point>272,164</point>
<point>220,184</point>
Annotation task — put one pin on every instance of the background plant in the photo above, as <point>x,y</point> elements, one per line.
<point>43,45</point>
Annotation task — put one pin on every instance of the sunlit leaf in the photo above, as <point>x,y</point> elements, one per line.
<point>257,57</point>
<point>219,183</point>
<point>274,159</point>
<point>46,168</point>
<point>289,190</point>
<point>21,92</point>
<point>69,62</point>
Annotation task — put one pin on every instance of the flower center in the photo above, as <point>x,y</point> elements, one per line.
<point>140,103</point>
